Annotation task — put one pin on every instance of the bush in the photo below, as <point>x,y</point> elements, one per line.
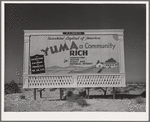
<point>22,97</point>
<point>117,91</point>
<point>71,97</point>
<point>26,89</point>
<point>126,91</point>
<point>8,89</point>
<point>69,93</point>
<point>82,94</point>
<point>53,89</point>
<point>76,98</point>
<point>82,102</point>
<point>20,84</point>
<point>139,100</point>
<point>134,107</point>
<point>12,87</point>
<point>143,94</point>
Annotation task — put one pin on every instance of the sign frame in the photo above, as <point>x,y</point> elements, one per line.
<point>28,77</point>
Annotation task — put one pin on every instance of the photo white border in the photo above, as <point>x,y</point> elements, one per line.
<point>75,116</point>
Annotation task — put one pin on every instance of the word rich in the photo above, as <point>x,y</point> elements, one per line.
<point>78,52</point>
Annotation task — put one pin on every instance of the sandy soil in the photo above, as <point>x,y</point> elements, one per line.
<point>50,102</point>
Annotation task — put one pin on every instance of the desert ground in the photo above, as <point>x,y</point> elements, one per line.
<point>127,99</point>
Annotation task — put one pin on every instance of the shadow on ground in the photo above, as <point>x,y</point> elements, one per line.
<point>118,96</point>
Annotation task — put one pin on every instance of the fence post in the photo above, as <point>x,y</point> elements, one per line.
<point>113,92</point>
<point>88,93</point>
<point>34,93</point>
<point>41,94</point>
<point>60,93</point>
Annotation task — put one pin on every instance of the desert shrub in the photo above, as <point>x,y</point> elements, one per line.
<point>8,89</point>
<point>82,94</point>
<point>12,87</point>
<point>139,100</point>
<point>143,94</point>
<point>20,84</point>
<point>70,93</point>
<point>126,91</point>
<point>76,98</point>
<point>22,97</point>
<point>53,89</point>
<point>131,88</point>
<point>26,89</point>
<point>117,91</point>
<point>82,102</point>
<point>134,107</point>
<point>71,97</point>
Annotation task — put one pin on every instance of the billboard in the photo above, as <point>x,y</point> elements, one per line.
<point>76,53</point>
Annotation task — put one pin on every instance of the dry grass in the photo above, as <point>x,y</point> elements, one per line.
<point>133,106</point>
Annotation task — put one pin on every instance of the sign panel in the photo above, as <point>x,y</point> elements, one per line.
<point>77,54</point>
<point>37,64</point>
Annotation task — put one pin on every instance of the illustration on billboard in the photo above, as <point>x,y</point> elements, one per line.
<point>85,54</point>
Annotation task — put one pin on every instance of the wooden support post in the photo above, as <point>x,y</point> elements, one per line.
<point>34,93</point>
<point>41,94</point>
<point>60,93</point>
<point>88,93</point>
<point>113,92</point>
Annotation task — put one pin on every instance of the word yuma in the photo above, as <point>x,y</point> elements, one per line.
<point>61,48</point>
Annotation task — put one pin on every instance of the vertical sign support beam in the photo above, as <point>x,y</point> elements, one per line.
<point>34,93</point>
<point>26,61</point>
<point>113,92</point>
<point>61,93</point>
<point>88,93</point>
<point>41,94</point>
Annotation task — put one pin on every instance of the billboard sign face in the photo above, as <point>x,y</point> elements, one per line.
<point>77,54</point>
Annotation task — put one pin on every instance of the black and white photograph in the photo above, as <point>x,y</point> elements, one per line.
<point>83,61</point>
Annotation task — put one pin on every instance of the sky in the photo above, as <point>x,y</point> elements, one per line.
<point>130,17</point>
